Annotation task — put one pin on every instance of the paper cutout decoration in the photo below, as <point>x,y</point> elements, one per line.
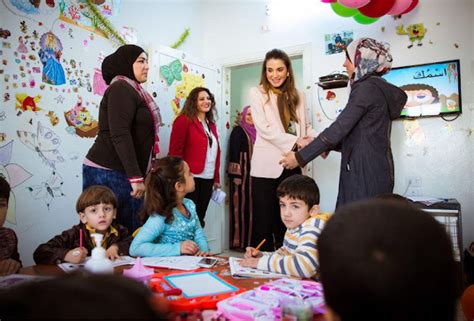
<point>21,45</point>
<point>98,83</point>
<point>182,90</point>
<point>337,42</point>
<point>26,6</point>
<point>14,174</point>
<point>414,132</point>
<point>415,32</point>
<point>48,190</point>
<point>81,119</point>
<point>50,55</point>
<point>172,71</point>
<point>25,102</point>
<point>45,142</point>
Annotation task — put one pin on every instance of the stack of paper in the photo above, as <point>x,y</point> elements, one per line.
<point>239,271</point>
<point>183,262</point>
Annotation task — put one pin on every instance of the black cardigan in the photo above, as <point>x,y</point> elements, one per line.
<point>126,131</point>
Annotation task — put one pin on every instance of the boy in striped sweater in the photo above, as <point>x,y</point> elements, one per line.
<point>299,207</point>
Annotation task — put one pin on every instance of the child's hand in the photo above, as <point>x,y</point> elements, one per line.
<point>252,252</point>
<point>189,247</point>
<point>76,256</point>
<point>9,266</point>
<point>112,252</point>
<point>251,262</point>
<point>202,253</point>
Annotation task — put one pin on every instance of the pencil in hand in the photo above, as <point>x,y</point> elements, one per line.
<point>260,245</point>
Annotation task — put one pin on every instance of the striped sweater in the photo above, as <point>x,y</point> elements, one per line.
<point>299,254</point>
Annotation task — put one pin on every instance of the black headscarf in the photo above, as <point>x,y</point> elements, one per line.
<point>121,63</point>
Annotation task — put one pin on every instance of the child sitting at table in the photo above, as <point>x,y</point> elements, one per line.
<point>97,208</point>
<point>299,207</point>
<point>9,258</point>
<point>172,227</point>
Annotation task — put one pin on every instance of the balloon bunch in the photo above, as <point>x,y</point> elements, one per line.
<point>369,11</point>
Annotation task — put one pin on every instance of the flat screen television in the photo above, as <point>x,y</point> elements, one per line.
<point>433,89</point>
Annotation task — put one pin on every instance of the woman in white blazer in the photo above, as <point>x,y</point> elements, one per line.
<point>279,113</point>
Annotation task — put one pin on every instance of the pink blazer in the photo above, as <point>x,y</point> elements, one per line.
<point>272,140</point>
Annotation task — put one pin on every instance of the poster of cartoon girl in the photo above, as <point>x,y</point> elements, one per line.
<point>50,55</point>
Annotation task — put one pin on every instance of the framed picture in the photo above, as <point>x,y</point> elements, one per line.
<point>433,89</point>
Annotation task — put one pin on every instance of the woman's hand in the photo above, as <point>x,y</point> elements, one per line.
<point>303,141</point>
<point>138,190</point>
<point>289,160</point>
<point>217,185</point>
<point>189,247</point>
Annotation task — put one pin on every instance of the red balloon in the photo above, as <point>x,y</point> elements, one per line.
<point>377,8</point>
<point>411,7</point>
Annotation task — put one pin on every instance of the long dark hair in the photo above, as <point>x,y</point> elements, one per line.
<point>289,95</point>
<point>190,105</point>
<point>160,197</point>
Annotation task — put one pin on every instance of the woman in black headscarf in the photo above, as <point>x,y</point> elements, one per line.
<point>129,120</point>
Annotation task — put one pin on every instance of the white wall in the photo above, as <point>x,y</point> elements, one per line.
<point>443,161</point>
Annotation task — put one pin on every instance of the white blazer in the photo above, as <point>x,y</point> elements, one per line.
<point>272,140</point>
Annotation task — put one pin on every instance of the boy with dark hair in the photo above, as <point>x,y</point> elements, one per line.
<point>97,208</point>
<point>9,258</point>
<point>299,207</point>
<point>386,260</point>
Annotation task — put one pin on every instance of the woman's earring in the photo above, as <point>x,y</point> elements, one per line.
<point>288,74</point>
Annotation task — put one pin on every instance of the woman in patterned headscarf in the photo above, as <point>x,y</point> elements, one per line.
<point>362,131</point>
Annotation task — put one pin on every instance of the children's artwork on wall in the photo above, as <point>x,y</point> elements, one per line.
<point>172,71</point>
<point>45,142</point>
<point>24,102</point>
<point>14,174</point>
<point>50,55</point>
<point>79,14</point>
<point>99,86</point>
<point>414,132</point>
<point>26,6</point>
<point>48,190</point>
<point>336,42</point>
<point>415,32</point>
<point>82,121</point>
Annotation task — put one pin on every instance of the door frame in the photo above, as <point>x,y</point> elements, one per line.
<point>305,51</point>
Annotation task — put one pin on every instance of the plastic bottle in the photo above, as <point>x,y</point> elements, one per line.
<point>99,263</point>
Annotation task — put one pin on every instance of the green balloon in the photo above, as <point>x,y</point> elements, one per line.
<point>360,18</point>
<point>343,11</point>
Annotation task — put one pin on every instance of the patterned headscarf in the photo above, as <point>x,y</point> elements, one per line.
<point>369,57</point>
<point>249,128</point>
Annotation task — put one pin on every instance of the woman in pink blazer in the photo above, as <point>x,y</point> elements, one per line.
<point>194,138</point>
<point>279,114</point>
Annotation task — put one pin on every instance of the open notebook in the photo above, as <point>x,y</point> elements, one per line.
<point>239,271</point>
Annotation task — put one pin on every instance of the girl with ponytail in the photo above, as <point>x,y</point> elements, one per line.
<point>172,226</point>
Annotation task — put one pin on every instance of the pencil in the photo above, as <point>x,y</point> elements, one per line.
<point>260,245</point>
<point>80,238</point>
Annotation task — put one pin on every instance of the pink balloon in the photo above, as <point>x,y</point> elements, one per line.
<point>411,7</point>
<point>354,3</point>
<point>399,7</point>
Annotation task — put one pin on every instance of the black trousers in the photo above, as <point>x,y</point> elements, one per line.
<point>201,196</point>
<point>266,221</point>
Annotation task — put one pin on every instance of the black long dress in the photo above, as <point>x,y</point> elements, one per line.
<point>240,154</point>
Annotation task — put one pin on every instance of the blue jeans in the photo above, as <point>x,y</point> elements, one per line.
<point>128,207</point>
